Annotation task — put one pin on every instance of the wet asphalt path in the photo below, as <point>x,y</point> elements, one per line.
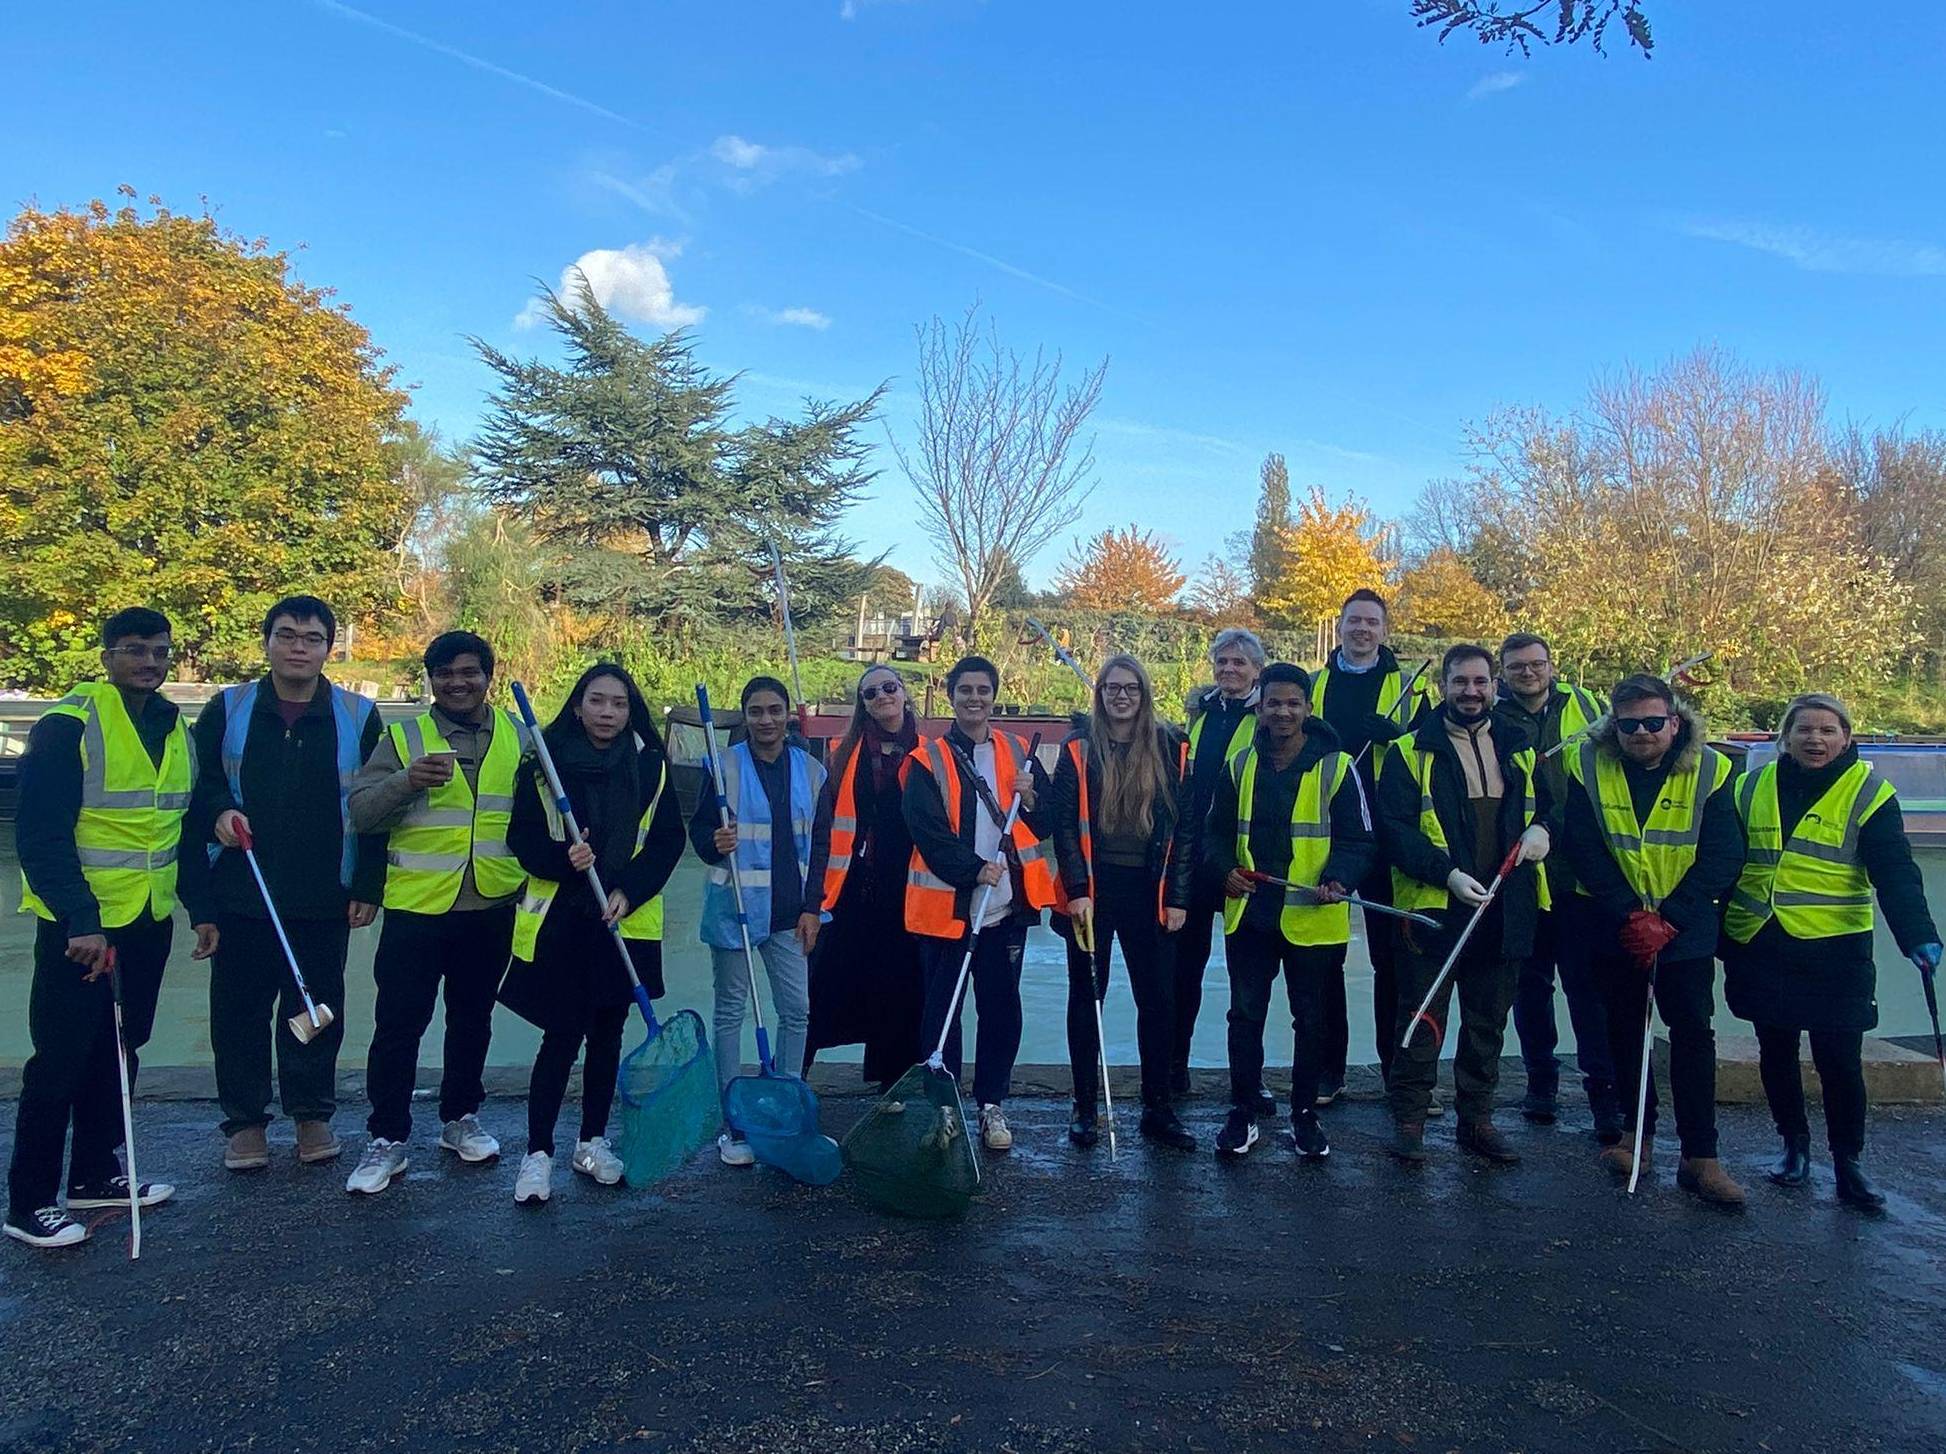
<point>1163,1301</point>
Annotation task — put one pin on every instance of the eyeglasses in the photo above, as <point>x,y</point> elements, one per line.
<point>1121,689</point>
<point>866,694</point>
<point>143,653</point>
<point>284,636</point>
<point>1640,724</point>
<point>1526,666</point>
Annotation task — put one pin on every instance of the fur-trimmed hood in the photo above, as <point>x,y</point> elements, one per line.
<point>1691,737</point>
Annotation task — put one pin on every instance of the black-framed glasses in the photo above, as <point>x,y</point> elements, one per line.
<point>144,653</point>
<point>1640,724</point>
<point>865,694</point>
<point>1121,689</point>
<point>284,636</point>
<point>1526,666</point>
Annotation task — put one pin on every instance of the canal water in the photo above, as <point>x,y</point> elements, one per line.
<point>182,1023</point>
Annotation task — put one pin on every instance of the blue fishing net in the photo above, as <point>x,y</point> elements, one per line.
<point>912,1153</point>
<point>778,1116</point>
<point>667,1087</point>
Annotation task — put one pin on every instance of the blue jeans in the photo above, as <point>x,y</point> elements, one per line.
<point>1587,1012</point>
<point>790,995</point>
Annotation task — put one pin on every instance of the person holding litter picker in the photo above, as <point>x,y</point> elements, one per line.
<point>1464,819</point>
<point>772,786</point>
<point>1127,846</point>
<point>1290,834</point>
<point>1652,839</point>
<point>1825,833</point>
<point>277,758</point>
<point>565,979</point>
<point>957,788</point>
<point>104,793</point>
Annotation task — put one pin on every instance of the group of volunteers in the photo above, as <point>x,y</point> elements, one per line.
<point>1500,828</point>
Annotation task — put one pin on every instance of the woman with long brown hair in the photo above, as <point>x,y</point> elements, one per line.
<point>865,979</point>
<point>1127,857</point>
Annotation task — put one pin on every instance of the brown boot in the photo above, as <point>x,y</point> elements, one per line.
<point>247,1150</point>
<point>1620,1158</point>
<point>316,1142</point>
<point>1483,1138</point>
<point>1705,1177</point>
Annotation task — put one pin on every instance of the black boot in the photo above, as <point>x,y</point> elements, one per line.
<point>1179,1080</point>
<point>1160,1124</point>
<point>1853,1189</point>
<point>1083,1129</point>
<point>1793,1168</point>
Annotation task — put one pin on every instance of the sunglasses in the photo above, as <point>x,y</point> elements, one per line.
<point>865,694</point>
<point>1640,724</point>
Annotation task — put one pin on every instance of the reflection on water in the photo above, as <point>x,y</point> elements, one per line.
<point>182,1023</point>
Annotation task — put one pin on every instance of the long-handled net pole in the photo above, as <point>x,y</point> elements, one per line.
<point>736,880</point>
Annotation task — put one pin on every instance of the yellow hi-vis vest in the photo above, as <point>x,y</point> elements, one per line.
<point>644,921</point>
<point>1304,921</point>
<point>1389,691</point>
<point>1652,856</point>
<point>427,854</point>
<point>130,825</point>
<point>1814,883</point>
<point>1409,893</point>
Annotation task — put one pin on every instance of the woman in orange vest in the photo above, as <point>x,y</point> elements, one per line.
<point>1127,853</point>
<point>957,790</point>
<point>865,978</point>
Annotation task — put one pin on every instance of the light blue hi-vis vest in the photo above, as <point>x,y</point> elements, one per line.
<point>349,711</point>
<point>751,806</point>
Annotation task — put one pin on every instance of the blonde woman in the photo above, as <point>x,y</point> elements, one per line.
<point>1127,855</point>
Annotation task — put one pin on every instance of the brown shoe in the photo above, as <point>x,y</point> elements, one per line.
<point>247,1150</point>
<point>1482,1138</point>
<point>1620,1158</point>
<point>1705,1177</point>
<point>316,1142</point>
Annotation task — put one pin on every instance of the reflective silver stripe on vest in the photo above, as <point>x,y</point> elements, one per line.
<point>426,862</point>
<point>753,831</point>
<point>494,803</point>
<point>920,878</point>
<point>437,818</point>
<point>415,739</point>
<point>1750,903</point>
<point>841,862</point>
<point>1033,853</point>
<point>498,850</point>
<point>125,858</point>
<point>172,802</point>
<point>1803,900</point>
<point>844,825</point>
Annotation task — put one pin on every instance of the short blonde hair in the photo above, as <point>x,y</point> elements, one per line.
<point>1813,701</point>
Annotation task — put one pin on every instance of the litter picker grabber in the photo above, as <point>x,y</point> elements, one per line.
<point>1084,940</point>
<point>1061,653</point>
<point>670,1071</point>
<point>316,1017</point>
<point>1459,946</point>
<point>776,1113</point>
<point>1677,676</point>
<point>1642,1081</point>
<point>1405,699</point>
<point>790,638</point>
<point>128,1113</point>
<point>1353,899</point>
<point>911,1154</point>
<point>1926,973</point>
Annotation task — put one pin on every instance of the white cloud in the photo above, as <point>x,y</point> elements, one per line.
<point>1823,252</point>
<point>802,318</point>
<point>1493,83</point>
<point>630,282</point>
<point>753,164</point>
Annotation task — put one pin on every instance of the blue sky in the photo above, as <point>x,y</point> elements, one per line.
<point>1290,226</point>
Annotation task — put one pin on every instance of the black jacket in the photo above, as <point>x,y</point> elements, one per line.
<point>1354,847</point>
<point>1351,702</point>
<point>49,806</point>
<point>291,797</point>
<point>1692,907</point>
<point>947,848</point>
<point>1412,853</point>
<point>1174,840</point>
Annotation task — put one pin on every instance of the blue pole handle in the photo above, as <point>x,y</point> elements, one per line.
<point>642,1003</point>
<point>526,707</point>
<point>763,1049</point>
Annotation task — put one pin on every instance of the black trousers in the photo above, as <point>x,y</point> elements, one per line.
<point>1485,980</point>
<point>1125,908</point>
<point>250,990</point>
<point>547,1087</point>
<point>1587,1012</point>
<point>1684,998</point>
<point>995,990</point>
<point>1839,1057</point>
<point>418,953</point>
<point>1255,957</point>
<point>71,1078</point>
<point>1193,943</point>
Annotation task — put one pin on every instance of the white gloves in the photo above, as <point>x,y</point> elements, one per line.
<point>1534,844</point>
<point>1466,888</point>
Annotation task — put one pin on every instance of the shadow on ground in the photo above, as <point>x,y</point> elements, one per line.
<point>1162,1301</point>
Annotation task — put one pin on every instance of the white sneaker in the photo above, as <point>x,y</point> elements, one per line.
<point>994,1134</point>
<point>49,1227</point>
<point>597,1158</point>
<point>382,1161</point>
<point>733,1150</point>
<point>536,1180</point>
<point>469,1140</point>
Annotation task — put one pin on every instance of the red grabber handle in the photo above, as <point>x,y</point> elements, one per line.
<point>244,839</point>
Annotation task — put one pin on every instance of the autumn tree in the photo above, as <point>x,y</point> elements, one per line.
<point>1330,549</point>
<point>1121,570</point>
<point>1440,597</point>
<point>1221,593</point>
<point>1895,484</point>
<point>184,425</point>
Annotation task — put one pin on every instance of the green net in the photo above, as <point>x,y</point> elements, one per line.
<point>670,1108</point>
<point>912,1153</point>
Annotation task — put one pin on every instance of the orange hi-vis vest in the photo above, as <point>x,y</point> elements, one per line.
<point>1077,750</point>
<point>932,904</point>
<point>844,828</point>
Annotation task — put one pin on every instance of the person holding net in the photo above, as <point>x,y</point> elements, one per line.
<point>565,979</point>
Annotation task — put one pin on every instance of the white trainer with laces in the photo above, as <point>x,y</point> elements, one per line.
<point>469,1140</point>
<point>597,1158</point>
<point>536,1180</point>
<point>382,1161</point>
<point>734,1151</point>
<point>49,1227</point>
<point>994,1134</point>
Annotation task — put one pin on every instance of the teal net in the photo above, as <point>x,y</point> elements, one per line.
<point>912,1154</point>
<point>667,1087</point>
<point>778,1116</point>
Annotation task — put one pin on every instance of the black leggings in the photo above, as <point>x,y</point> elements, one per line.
<point>1838,1055</point>
<point>1125,909</point>
<point>548,1086</point>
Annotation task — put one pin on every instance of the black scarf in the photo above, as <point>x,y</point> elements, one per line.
<point>604,788</point>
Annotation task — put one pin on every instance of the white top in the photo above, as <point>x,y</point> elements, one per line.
<point>986,837</point>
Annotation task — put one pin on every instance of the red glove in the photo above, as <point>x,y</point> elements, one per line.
<point>1646,934</point>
